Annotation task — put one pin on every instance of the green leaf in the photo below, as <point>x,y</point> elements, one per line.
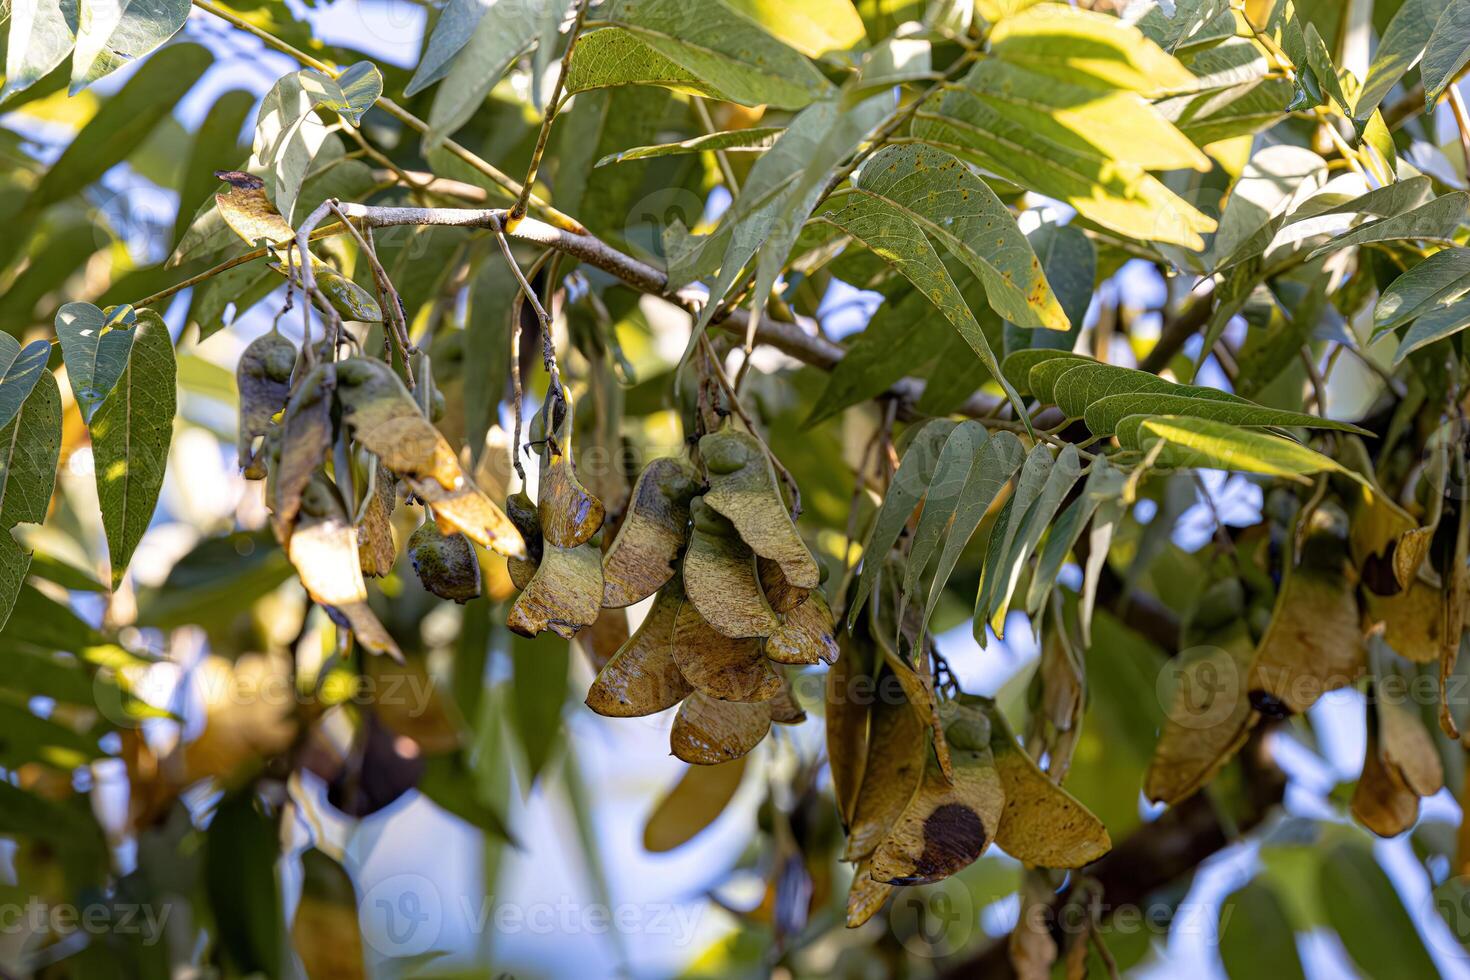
<point>1401,45</point>
<point>953,206</point>
<point>94,347</point>
<point>288,133</point>
<point>1075,387</point>
<point>1435,221</point>
<point>892,235</point>
<point>110,35</point>
<point>452,31</point>
<point>900,331</point>
<point>1204,443</point>
<point>1365,910</point>
<point>907,488</point>
<point>487,347</point>
<point>241,849</point>
<point>1439,323</point>
<point>1172,29</point>
<point>30,444</point>
<point>1321,65</point>
<point>42,33</point>
<point>449,781</point>
<point>1087,48</point>
<point>500,37</point>
<point>123,122</point>
<point>1438,280</point>
<point>1000,457</point>
<point>813,27</point>
<point>539,684</point>
<point>1104,485</point>
<point>1104,414</point>
<point>945,493</point>
<point>1256,937</point>
<point>1018,365</point>
<point>756,139</point>
<point>612,57</point>
<point>1447,52</point>
<point>1002,578</point>
<point>131,433</point>
<point>19,372</point>
<point>723,48</point>
<point>1272,179</point>
<point>600,122</point>
<point>1069,262</point>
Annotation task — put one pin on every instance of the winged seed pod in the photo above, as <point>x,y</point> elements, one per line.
<point>642,677</point>
<point>866,895</point>
<point>302,443</point>
<point>898,746</point>
<point>563,595</point>
<point>781,594</point>
<point>724,667</point>
<point>375,531</point>
<point>521,510</point>
<point>570,515</point>
<point>743,487</point>
<point>445,563</point>
<point>385,419</point>
<point>708,731</point>
<point>1208,720</point>
<point>806,633</point>
<point>847,695</point>
<point>720,577</point>
<point>323,549</point>
<point>642,556</point>
<point>263,378</point>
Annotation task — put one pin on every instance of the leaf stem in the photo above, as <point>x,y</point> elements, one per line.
<point>553,108</point>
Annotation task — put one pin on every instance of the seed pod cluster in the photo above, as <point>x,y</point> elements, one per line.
<point>736,598</point>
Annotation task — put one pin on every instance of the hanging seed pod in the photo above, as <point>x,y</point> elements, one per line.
<point>521,510</point>
<point>947,824</point>
<point>570,515</point>
<point>375,533</point>
<point>1042,824</point>
<point>1412,620</point>
<point>643,555</point>
<point>1315,641</point>
<point>743,487</point>
<point>897,748</point>
<point>642,677</point>
<point>564,595</point>
<point>324,550</point>
<point>720,579</point>
<point>781,594</point>
<point>806,635</point>
<point>708,732</point>
<point>263,378</point>
<point>604,638</point>
<point>784,708</point>
<point>724,667</point>
<point>384,418</point>
<point>866,896</point>
<point>445,563</point>
<point>1202,732</point>
<point>848,695</point>
<point>695,802</point>
<point>1382,801</point>
<point>305,438</point>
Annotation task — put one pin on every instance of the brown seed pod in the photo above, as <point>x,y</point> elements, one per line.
<point>1207,722</point>
<point>728,668</point>
<point>743,487</point>
<point>894,768</point>
<point>304,440</point>
<point>643,555</point>
<point>866,896</point>
<point>385,419</point>
<point>569,514</point>
<point>708,732</point>
<point>324,551</point>
<point>1382,801</point>
<point>375,534</point>
<point>564,595</point>
<point>695,802</point>
<point>720,579</point>
<point>946,825</point>
<point>642,677</point>
<point>781,594</point>
<point>521,510</point>
<point>806,634</point>
<point>263,378</point>
<point>445,563</point>
<point>1042,824</point>
<point>848,696</point>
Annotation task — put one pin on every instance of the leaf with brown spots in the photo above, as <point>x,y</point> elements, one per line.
<point>695,802</point>
<point>324,551</point>
<point>806,634</point>
<point>263,378</point>
<point>724,667</point>
<point>708,732</point>
<point>892,772</point>
<point>866,896</point>
<point>445,563</point>
<point>743,487</point>
<point>1314,643</point>
<point>1207,721</point>
<point>849,689</point>
<point>947,825</point>
<point>643,555</point>
<point>385,419</point>
<point>642,677</point>
<point>720,577</point>
<point>305,438</point>
<point>1042,824</point>
<point>565,594</point>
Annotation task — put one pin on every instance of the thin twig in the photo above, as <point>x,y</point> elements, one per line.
<point>1462,123</point>
<point>553,108</point>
